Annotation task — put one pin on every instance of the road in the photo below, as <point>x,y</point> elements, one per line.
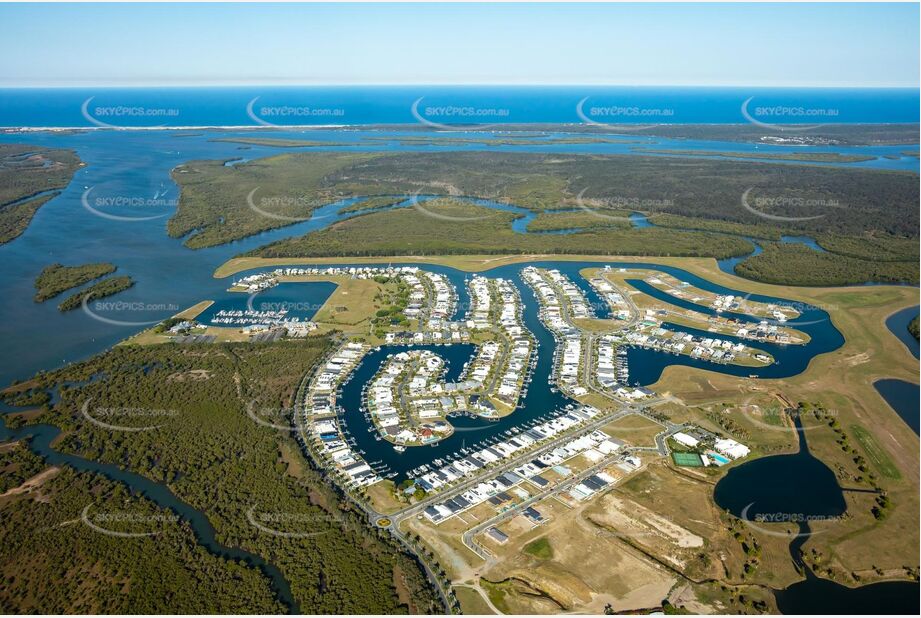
<point>505,466</point>
<point>590,337</point>
<point>395,519</point>
<point>444,593</point>
<point>469,537</point>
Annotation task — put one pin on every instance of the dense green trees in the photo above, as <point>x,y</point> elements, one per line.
<point>461,228</point>
<point>795,264</point>
<point>211,452</point>
<point>52,562</point>
<point>106,287</point>
<point>27,176</point>
<point>816,199</point>
<point>56,278</point>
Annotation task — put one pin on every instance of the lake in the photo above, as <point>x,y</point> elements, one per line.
<point>903,397</point>
<point>797,488</point>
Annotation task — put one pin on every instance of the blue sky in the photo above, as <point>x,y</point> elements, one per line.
<point>628,44</point>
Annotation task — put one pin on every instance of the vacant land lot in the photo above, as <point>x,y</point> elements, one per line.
<point>634,429</point>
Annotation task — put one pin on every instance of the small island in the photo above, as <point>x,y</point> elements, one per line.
<point>106,287</point>
<point>58,278</point>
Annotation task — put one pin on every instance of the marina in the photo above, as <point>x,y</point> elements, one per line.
<point>550,389</point>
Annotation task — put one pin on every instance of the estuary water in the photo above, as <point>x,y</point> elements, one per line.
<point>898,324</point>
<point>136,165</point>
<point>902,396</point>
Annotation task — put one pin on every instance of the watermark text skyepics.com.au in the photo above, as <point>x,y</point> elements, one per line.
<point>114,311</point>
<point>123,111</point>
<point>290,114</point>
<point>453,116</point>
<point>126,419</point>
<point>130,208</point>
<point>786,208</point>
<point>121,305</point>
<point>288,207</point>
<point>121,116</point>
<point>126,524</point>
<point>273,523</point>
<point>604,207</point>
<point>792,518</point>
<point>788,117</point>
<point>623,117</point>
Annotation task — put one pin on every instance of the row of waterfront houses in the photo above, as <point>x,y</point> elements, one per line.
<point>322,412</point>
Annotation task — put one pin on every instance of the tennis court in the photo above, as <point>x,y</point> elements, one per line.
<point>688,460</point>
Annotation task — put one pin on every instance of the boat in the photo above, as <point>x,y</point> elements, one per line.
<point>399,449</point>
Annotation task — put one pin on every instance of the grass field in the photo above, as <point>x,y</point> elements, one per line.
<point>471,601</point>
<point>539,548</point>
<point>634,429</point>
<point>875,453</point>
<point>351,305</point>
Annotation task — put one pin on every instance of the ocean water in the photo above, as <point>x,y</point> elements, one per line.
<point>449,105</point>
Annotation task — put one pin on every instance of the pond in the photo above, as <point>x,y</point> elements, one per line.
<point>903,397</point>
<point>797,488</point>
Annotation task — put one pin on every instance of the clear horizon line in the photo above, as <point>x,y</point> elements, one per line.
<point>280,84</point>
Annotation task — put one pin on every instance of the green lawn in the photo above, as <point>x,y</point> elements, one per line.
<point>539,548</point>
<point>875,453</point>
